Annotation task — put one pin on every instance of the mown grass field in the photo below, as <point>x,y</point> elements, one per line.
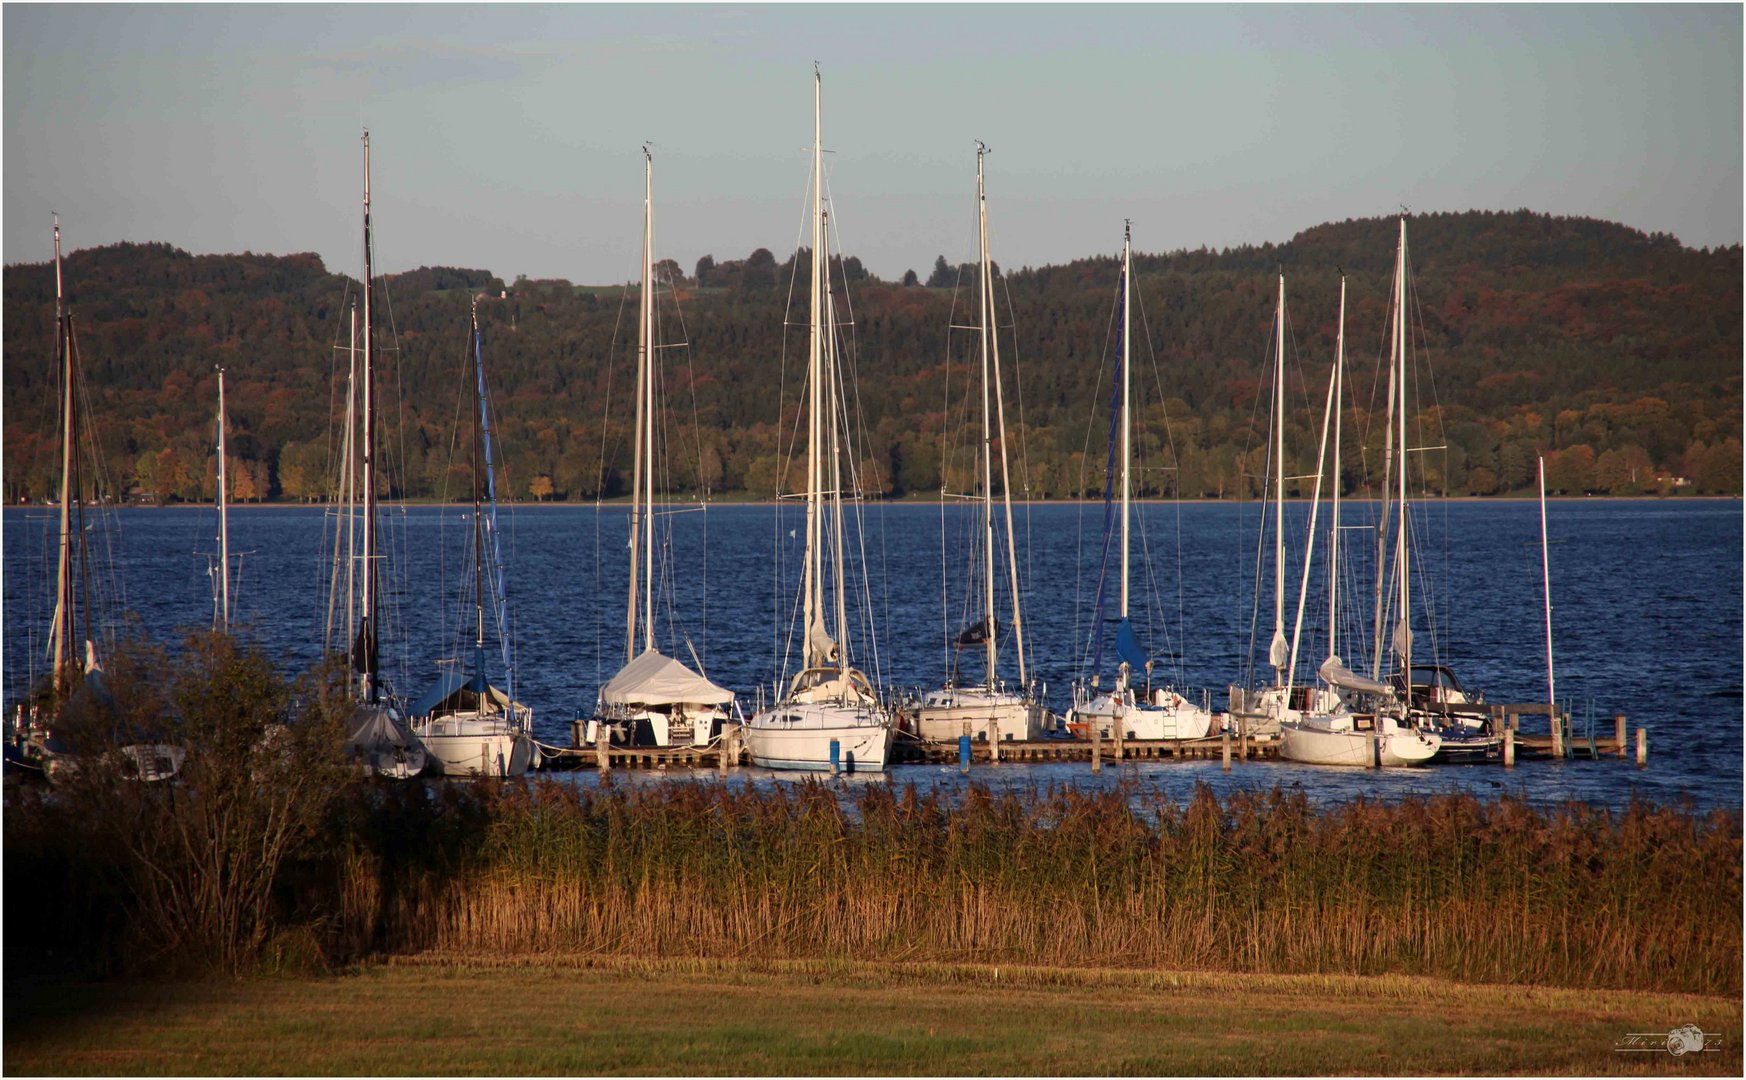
<point>448,1015</point>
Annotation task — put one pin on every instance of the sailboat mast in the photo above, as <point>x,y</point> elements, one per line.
<point>984,296</point>
<point>1404,641</point>
<point>1334,528</point>
<point>369,637</point>
<point>642,463</point>
<point>478,522</point>
<point>1127,380</point>
<point>61,631</point>
<point>648,404</point>
<point>223,622</point>
<point>1278,653</point>
<point>1018,623</point>
<point>815,333</point>
<point>1546,585</point>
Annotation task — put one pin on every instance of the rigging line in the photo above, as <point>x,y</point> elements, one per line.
<point>1024,453</point>
<point>852,351</point>
<point>1176,486</point>
<point>1080,635</point>
<point>613,360</point>
<point>1261,530</point>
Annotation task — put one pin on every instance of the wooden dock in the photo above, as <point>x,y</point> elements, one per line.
<point>1561,740</point>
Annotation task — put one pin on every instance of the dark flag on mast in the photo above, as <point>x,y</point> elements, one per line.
<point>977,633</point>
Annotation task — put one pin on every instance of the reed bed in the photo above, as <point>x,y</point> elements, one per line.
<point>1647,899</point>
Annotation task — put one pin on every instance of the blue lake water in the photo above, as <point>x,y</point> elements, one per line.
<point>1647,614</point>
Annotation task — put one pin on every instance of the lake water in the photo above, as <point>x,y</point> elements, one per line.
<point>1647,620</point>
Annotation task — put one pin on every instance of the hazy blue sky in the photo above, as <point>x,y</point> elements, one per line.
<point>507,137</point>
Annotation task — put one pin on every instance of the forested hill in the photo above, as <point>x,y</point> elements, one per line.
<point>1616,353</point>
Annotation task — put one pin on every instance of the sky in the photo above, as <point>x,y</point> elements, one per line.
<point>508,138</point>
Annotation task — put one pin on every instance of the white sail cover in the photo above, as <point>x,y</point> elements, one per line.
<point>654,679</point>
<point>1335,673</point>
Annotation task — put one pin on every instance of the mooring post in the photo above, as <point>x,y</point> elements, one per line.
<point>1557,731</point>
<point>1225,748</point>
<point>993,741</point>
<point>1115,732</point>
<point>602,747</point>
<point>1642,746</point>
<point>1619,733</point>
<point>1370,757</point>
<point>964,754</point>
<point>836,757</point>
<point>723,750</point>
<point>1509,747</point>
<point>1096,746</point>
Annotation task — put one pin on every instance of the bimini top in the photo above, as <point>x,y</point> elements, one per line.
<point>654,679</point>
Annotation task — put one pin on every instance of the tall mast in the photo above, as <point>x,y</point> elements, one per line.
<point>648,401</point>
<point>1127,426</point>
<point>1279,651</point>
<point>1403,641</point>
<point>1018,623</point>
<point>644,421</point>
<point>814,346</point>
<point>478,523</point>
<point>61,631</point>
<point>368,637</point>
<point>1334,529</point>
<point>222,623</point>
<point>985,296</point>
<point>1546,581</point>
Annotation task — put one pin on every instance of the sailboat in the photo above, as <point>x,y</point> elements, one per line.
<point>830,714</point>
<point>1156,712</point>
<point>989,707</point>
<point>1349,719</point>
<point>653,698</point>
<point>1434,699</point>
<point>467,726</point>
<point>379,740</point>
<point>75,677</point>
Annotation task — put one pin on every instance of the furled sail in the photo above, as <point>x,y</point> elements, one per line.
<point>1335,673</point>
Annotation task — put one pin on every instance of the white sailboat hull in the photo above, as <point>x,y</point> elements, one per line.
<point>470,745</point>
<point>1174,718</point>
<point>862,735</point>
<point>944,713</point>
<point>1311,742</point>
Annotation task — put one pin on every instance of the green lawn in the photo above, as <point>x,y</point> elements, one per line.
<point>438,1015</point>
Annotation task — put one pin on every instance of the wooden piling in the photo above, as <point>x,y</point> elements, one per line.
<point>993,741</point>
<point>1115,729</point>
<point>1619,733</point>
<point>1642,747</point>
<point>1225,750</point>
<point>1509,747</point>
<point>602,747</point>
<point>1370,760</point>
<point>1096,746</point>
<point>1557,732</point>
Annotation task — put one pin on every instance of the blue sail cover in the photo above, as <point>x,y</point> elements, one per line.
<point>1128,646</point>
